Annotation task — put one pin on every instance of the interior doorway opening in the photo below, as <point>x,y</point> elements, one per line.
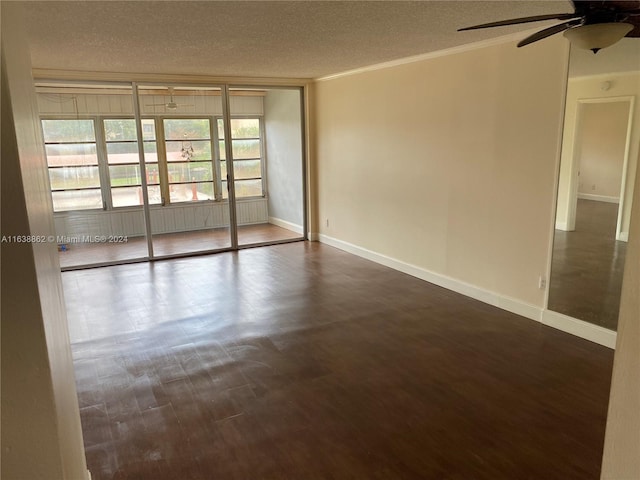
<point>600,159</point>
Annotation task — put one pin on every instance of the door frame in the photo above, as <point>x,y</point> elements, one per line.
<point>302,90</point>
<point>224,85</point>
<point>575,161</point>
<point>146,205</point>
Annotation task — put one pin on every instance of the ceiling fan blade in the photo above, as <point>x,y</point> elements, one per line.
<point>581,6</point>
<point>170,105</point>
<point>515,21</point>
<point>634,19</point>
<point>612,6</point>
<point>635,33</point>
<point>547,32</point>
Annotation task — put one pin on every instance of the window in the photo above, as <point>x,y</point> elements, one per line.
<point>189,159</point>
<point>246,141</point>
<point>72,159</point>
<point>124,168</point>
<point>93,162</point>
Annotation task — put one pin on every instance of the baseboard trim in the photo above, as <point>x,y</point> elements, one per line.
<point>623,236</point>
<point>278,222</point>
<point>562,226</point>
<point>492,298</point>
<point>580,328</point>
<point>88,475</point>
<point>598,198</point>
<point>314,236</point>
<point>570,325</point>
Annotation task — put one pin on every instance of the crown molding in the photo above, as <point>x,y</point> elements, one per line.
<point>53,75</point>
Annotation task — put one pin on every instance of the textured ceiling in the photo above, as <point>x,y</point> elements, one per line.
<point>295,39</point>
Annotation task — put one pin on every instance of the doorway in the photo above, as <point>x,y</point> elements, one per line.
<point>600,159</point>
<point>267,163</point>
<point>592,218</point>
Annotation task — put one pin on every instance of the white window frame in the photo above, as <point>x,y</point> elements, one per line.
<point>263,163</point>
<point>97,142</point>
<point>160,140</point>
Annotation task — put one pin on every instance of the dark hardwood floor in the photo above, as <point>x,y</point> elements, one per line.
<point>588,265</point>
<point>303,362</point>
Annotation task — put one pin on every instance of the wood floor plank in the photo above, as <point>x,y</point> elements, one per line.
<point>587,266</point>
<point>300,361</point>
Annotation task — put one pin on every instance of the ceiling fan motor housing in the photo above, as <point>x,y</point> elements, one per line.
<point>594,24</point>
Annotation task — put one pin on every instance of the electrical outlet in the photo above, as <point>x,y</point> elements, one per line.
<point>542,282</point>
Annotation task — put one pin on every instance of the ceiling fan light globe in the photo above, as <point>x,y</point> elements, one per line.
<point>597,35</point>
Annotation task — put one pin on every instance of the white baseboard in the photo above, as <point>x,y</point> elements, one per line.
<point>492,298</point>
<point>598,198</point>
<point>284,224</point>
<point>561,322</point>
<point>580,328</point>
<point>88,475</point>
<point>623,237</point>
<point>314,237</point>
<point>562,226</point>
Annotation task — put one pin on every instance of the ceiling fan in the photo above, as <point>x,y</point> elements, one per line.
<point>594,24</point>
<point>171,104</point>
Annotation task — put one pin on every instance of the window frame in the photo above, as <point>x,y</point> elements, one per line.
<point>99,165</point>
<point>101,147</point>
<point>105,143</point>
<point>263,154</point>
<point>165,192</point>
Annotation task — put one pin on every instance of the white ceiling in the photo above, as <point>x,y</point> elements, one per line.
<point>293,39</point>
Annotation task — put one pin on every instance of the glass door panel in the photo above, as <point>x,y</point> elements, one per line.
<point>92,155</point>
<point>267,149</point>
<point>99,182</point>
<point>188,212</point>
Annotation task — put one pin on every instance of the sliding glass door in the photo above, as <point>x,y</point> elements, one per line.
<point>91,147</point>
<point>139,172</point>
<point>266,162</point>
<point>188,212</point>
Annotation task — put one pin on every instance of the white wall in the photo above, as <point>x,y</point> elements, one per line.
<point>447,165</point>
<point>601,148</point>
<point>41,432</point>
<point>589,89</point>
<point>622,439</point>
<point>283,133</point>
<point>167,219</point>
